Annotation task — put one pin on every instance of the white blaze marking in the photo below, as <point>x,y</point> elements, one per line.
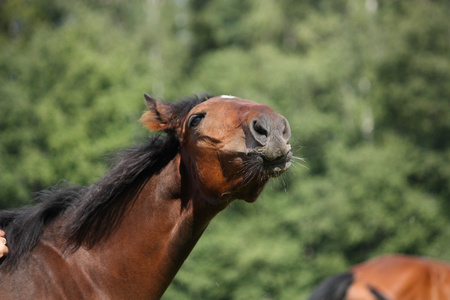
<point>228,96</point>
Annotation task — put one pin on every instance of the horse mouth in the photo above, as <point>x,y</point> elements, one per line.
<point>276,168</point>
<point>273,168</point>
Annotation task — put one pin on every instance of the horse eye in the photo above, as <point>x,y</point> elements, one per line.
<point>194,120</point>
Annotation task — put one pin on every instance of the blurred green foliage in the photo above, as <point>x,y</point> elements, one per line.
<point>364,84</point>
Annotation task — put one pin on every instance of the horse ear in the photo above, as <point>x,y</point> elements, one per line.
<point>157,116</point>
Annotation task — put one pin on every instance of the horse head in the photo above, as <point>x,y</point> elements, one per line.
<point>232,146</point>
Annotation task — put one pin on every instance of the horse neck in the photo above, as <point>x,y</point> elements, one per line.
<point>158,232</point>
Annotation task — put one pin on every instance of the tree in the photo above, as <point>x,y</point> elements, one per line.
<point>362,84</point>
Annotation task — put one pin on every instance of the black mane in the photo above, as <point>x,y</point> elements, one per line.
<point>95,211</point>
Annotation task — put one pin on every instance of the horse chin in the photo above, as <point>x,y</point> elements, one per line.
<point>264,174</point>
<point>254,171</point>
<point>276,170</point>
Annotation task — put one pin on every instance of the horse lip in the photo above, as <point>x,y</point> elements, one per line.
<point>276,162</point>
<point>278,170</point>
<point>274,168</point>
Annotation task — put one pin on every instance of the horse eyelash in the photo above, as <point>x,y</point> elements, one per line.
<point>193,117</point>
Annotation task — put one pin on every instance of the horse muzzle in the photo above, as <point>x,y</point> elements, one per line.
<point>270,135</point>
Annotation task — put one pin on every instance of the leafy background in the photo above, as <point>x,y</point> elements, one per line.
<point>364,84</point>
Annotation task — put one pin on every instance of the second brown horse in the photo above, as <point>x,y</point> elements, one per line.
<point>389,277</point>
<point>126,236</point>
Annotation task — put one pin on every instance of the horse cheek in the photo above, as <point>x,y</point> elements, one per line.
<point>212,181</point>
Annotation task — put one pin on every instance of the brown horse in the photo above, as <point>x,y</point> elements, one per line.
<point>390,277</point>
<point>126,236</point>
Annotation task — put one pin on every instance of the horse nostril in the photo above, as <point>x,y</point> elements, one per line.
<point>260,131</point>
<point>259,128</point>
